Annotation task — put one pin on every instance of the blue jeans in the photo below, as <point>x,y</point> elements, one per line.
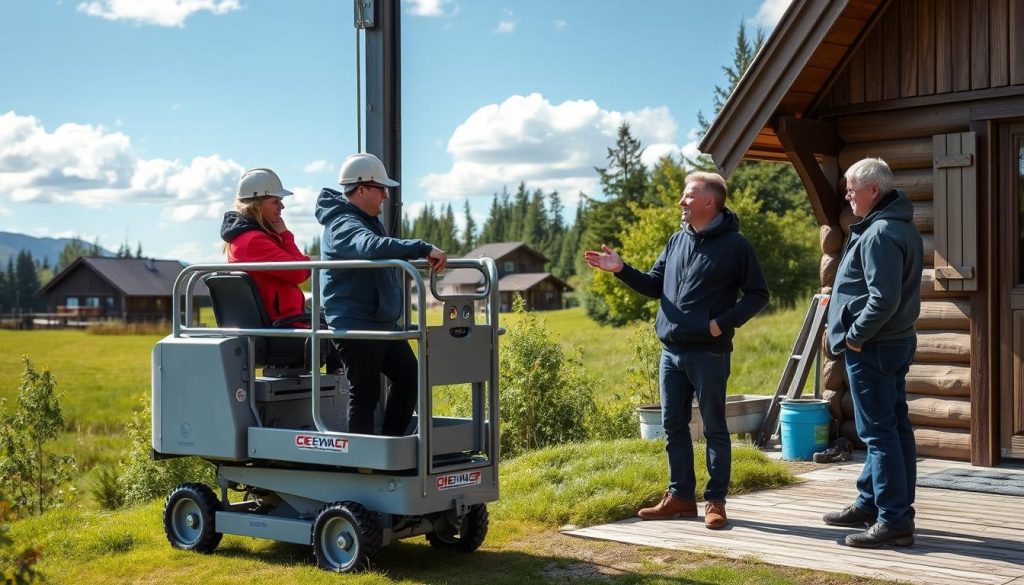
<point>878,386</point>
<point>683,374</point>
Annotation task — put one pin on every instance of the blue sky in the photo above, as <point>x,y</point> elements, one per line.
<point>134,118</point>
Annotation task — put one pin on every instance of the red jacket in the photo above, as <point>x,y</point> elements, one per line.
<point>278,288</point>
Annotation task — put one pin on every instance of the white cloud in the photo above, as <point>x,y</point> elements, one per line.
<point>505,26</point>
<point>549,146</point>
<point>560,24</point>
<point>426,7</point>
<point>769,13</point>
<point>157,12</point>
<point>193,253</point>
<point>91,166</point>
<point>317,166</point>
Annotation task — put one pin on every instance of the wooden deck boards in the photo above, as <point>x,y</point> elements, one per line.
<point>962,537</point>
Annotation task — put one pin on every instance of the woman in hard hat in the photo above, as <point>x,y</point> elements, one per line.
<point>256,232</point>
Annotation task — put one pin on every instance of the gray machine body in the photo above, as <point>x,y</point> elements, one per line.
<point>262,432</point>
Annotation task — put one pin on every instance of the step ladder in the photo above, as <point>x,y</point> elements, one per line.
<point>794,376</point>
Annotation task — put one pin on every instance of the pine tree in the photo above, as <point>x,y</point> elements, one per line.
<point>11,284</point>
<point>488,233</point>
<point>27,282</point>
<point>74,250</point>
<point>624,181</point>
<point>555,229</point>
<point>534,232</point>
<point>518,214</point>
<point>6,295</point>
<point>447,239</point>
<point>468,230</point>
<point>138,250</point>
<point>742,56</point>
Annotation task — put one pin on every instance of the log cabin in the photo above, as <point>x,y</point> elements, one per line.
<point>936,89</point>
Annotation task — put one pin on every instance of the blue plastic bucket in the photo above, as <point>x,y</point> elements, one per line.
<point>804,428</point>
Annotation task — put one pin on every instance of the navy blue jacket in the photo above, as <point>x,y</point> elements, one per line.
<point>698,277</point>
<point>363,298</point>
<point>877,292</point>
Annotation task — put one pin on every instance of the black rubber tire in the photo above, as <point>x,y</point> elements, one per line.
<point>470,534</point>
<point>197,501</point>
<point>359,528</point>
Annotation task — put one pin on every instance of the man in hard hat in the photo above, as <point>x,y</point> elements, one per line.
<point>369,299</point>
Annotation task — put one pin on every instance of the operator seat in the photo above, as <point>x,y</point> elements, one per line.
<point>237,304</point>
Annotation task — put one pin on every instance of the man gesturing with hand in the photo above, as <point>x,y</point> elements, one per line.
<point>698,278</point>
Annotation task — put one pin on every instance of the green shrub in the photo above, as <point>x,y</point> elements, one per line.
<point>616,419</point>
<point>643,373</point>
<point>546,396</point>
<point>107,489</point>
<point>143,479</point>
<point>36,478</point>
<point>16,562</point>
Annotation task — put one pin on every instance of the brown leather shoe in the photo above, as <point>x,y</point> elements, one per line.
<point>668,508</point>
<point>714,514</point>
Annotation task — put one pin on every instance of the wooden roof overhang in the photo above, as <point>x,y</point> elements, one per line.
<point>793,67</point>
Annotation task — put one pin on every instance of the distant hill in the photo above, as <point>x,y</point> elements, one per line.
<point>49,248</point>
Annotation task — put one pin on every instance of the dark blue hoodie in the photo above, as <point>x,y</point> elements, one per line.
<point>698,277</point>
<point>363,298</point>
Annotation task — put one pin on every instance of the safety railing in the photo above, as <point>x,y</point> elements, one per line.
<point>186,281</point>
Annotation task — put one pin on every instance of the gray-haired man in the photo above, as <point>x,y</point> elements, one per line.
<point>876,299</point>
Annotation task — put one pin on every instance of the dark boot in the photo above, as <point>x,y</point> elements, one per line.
<point>881,534</point>
<point>850,517</point>
<point>668,508</point>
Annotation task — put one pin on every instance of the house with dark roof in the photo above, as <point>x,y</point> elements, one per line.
<point>129,289</point>
<point>520,270</point>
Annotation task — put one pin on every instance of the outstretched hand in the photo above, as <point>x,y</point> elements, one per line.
<point>437,259</point>
<point>607,260</point>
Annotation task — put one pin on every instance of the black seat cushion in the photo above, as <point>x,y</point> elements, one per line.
<point>237,304</point>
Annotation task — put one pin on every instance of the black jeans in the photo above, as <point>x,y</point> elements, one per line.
<point>365,360</point>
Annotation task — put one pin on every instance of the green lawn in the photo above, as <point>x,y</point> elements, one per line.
<point>104,378</point>
<point>573,483</point>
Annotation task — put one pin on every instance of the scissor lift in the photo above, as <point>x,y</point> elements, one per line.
<point>280,438</point>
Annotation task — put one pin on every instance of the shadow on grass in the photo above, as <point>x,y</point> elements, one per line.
<point>424,564</point>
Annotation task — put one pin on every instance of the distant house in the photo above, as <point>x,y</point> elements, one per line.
<point>520,270</point>
<point>129,289</point>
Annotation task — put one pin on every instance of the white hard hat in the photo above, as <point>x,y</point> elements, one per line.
<point>260,183</point>
<point>363,167</point>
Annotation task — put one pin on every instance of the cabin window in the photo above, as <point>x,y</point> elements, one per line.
<point>108,302</point>
<point>71,302</point>
<point>92,301</point>
<point>510,266</point>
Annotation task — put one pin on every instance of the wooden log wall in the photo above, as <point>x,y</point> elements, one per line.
<point>938,385</point>
<point>934,47</point>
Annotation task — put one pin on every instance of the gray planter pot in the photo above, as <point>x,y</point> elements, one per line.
<point>744,414</point>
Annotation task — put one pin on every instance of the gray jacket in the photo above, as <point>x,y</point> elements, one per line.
<point>877,292</point>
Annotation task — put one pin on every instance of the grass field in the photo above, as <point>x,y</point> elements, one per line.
<point>104,378</point>
<point>582,484</point>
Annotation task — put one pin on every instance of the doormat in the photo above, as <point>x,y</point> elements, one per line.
<point>989,481</point>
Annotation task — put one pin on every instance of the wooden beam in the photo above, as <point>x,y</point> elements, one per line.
<point>802,139</point>
<point>985,343</point>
